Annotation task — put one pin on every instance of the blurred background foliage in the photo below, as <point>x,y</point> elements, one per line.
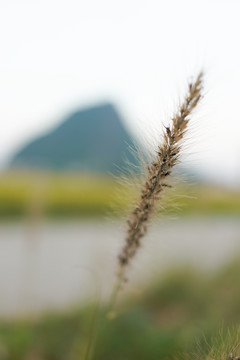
<point>67,195</point>
<point>177,315</point>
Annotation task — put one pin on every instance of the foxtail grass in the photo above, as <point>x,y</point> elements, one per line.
<point>158,172</point>
<point>224,346</point>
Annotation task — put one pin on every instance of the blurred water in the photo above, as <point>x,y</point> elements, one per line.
<point>56,264</point>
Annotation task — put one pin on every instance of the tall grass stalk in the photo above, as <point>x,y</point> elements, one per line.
<point>167,156</point>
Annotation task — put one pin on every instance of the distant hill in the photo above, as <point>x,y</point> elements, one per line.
<point>90,140</point>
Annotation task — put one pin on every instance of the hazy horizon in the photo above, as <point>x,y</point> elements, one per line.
<point>58,56</point>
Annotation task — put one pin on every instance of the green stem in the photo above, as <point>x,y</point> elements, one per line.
<point>116,289</point>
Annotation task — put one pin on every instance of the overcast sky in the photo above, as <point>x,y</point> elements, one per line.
<point>59,55</point>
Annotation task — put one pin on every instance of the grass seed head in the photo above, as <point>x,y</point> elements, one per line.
<point>167,156</point>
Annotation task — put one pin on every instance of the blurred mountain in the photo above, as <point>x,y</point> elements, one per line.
<point>90,140</point>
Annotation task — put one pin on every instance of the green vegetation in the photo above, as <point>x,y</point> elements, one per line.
<point>57,195</point>
<point>179,313</point>
<point>24,194</point>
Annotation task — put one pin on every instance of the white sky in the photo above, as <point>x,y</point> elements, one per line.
<point>59,55</point>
